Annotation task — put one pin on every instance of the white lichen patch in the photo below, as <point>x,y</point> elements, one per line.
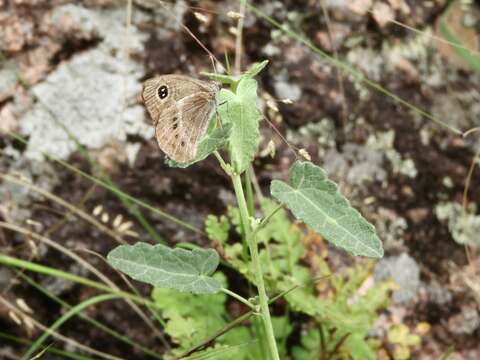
<point>94,96</point>
<point>383,141</point>
<point>321,134</point>
<point>463,225</point>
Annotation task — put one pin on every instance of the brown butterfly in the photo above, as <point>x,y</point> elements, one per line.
<point>180,108</point>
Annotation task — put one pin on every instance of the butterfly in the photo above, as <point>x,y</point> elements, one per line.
<point>180,107</point>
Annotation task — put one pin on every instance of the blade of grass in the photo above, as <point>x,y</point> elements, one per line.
<point>67,354</point>
<point>65,317</point>
<point>88,267</point>
<point>90,320</point>
<point>55,334</point>
<point>42,269</point>
<point>114,190</point>
<point>74,210</point>
<point>131,208</point>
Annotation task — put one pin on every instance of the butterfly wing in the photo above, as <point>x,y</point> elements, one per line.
<point>180,108</point>
<point>181,127</point>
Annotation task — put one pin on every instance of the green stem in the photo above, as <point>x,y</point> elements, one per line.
<point>249,193</point>
<point>252,244</point>
<point>238,297</point>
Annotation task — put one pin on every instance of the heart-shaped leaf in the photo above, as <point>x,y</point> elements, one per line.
<point>315,199</point>
<point>163,267</point>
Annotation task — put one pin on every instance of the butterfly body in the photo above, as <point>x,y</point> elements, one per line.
<point>180,107</point>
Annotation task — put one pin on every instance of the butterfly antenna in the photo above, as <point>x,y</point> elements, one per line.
<point>192,35</point>
<point>293,148</point>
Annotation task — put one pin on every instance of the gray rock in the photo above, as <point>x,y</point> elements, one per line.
<point>6,277</point>
<point>94,95</point>
<point>404,271</point>
<point>357,163</point>
<point>108,25</point>
<point>285,89</point>
<point>438,295</point>
<point>8,79</point>
<point>86,96</point>
<point>466,322</point>
<point>16,198</point>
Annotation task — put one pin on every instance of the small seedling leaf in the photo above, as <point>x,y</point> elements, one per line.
<point>221,78</point>
<point>240,110</point>
<point>315,199</point>
<point>255,69</point>
<point>163,267</point>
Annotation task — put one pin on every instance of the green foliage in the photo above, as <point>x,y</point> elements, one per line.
<point>315,199</point>
<point>339,307</point>
<point>399,335</point>
<point>161,266</point>
<point>451,31</point>
<point>256,69</point>
<point>288,265</point>
<point>217,228</point>
<point>240,110</point>
<point>192,318</point>
<point>232,81</point>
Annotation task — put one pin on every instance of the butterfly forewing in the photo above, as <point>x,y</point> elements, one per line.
<point>180,108</point>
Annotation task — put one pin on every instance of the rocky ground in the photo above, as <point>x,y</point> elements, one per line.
<point>73,65</point>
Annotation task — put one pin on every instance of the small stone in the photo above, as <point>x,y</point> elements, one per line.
<point>8,79</point>
<point>466,322</point>
<point>383,14</point>
<point>405,272</point>
<point>16,32</point>
<point>417,215</point>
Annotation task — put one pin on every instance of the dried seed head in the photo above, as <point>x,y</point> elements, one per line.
<point>233,30</point>
<point>271,148</point>
<point>235,15</point>
<point>287,101</point>
<point>33,246</point>
<point>105,218</point>
<point>201,17</point>
<point>35,224</point>
<point>125,227</point>
<point>118,221</point>
<point>97,210</point>
<point>271,105</point>
<point>28,323</point>
<point>15,318</point>
<point>24,306</point>
<point>305,154</point>
<point>131,233</point>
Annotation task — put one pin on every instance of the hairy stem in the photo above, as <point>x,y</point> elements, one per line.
<point>252,244</point>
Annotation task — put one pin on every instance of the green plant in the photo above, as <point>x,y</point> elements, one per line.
<point>338,309</point>
<point>276,266</point>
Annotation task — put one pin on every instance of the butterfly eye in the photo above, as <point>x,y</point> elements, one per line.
<point>162,92</point>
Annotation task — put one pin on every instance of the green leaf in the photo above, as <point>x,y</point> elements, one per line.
<point>221,78</point>
<point>255,69</point>
<point>192,318</point>
<point>217,228</point>
<point>163,267</point>
<point>315,199</point>
<point>232,80</point>
<point>212,141</point>
<point>240,110</point>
